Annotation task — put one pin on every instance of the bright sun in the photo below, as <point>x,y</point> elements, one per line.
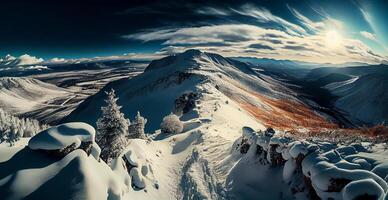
<point>333,39</point>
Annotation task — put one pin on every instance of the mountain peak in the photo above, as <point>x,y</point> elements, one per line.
<point>184,58</point>
<point>192,52</point>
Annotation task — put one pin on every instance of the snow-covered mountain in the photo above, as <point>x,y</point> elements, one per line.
<point>9,61</point>
<point>155,92</point>
<point>225,151</point>
<point>360,93</point>
<point>33,98</point>
<point>364,98</point>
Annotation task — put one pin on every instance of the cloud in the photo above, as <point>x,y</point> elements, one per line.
<point>313,26</point>
<point>265,16</point>
<point>260,46</point>
<point>297,48</point>
<point>270,36</point>
<point>25,59</point>
<point>213,11</point>
<point>29,60</point>
<point>368,18</point>
<point>369,36</point>
<point>253,41</point>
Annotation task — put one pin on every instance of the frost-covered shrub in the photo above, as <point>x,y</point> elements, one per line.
<point>13,128</point>
<point>112,129</point>
<point>171,124</point>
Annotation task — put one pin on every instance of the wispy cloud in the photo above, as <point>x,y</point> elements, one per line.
<point>265,16</point>
<point>308,40</point>
<point>213,11</point>
<point>368,18</point>
<point>368,35</point>
<point>313,26</point>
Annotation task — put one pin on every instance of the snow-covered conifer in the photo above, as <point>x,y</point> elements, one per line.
<point>136,129</point>
<point>13,128</point>
<point>112,128</point>
<point>171,124</point>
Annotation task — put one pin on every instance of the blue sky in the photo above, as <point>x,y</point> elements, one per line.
<point>306,30</point>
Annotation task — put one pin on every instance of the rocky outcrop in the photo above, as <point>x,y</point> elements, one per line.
<point>185,103</point>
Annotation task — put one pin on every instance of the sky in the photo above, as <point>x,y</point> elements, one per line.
<point>325,31</point>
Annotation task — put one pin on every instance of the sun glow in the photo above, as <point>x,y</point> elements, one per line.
<point>333,39</point>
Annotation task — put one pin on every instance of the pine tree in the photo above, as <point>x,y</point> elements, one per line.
<point>112,128</point>
<point>13,128</point>
<point>136,129</point>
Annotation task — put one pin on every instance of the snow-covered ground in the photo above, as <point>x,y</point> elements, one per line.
<point>364,98</point>
<point>205,161</point>
<point>189,165</point>
<point>33,98</point>
<point>220,154</point>
<point>308,169</point>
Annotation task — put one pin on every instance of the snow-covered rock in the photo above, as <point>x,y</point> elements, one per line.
<point>64,138</point>
<point>363,189</point>
<point>75,176</point>
<point>138,165</point>
<point>314,172</point>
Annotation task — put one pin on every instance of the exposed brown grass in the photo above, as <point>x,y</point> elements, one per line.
<point>378,130</point>
<point>283,114</point>
<point>291,116</point>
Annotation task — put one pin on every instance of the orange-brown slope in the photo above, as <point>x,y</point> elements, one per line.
<point>282,114</point>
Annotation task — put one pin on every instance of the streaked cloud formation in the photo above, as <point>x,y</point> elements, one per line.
<point>368,35</point>
<point>265,34</point>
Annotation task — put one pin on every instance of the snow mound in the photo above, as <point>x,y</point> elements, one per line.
<point>315,170</point>
<point>138,166</point>
<point>62,136</point>
<point>363,189</point>
<point>75,176</point>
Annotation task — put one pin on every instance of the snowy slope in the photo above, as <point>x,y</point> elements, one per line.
<point>365,98</point>
<point>190,165</point>
<point>31,97</point>
<point>202,162</point>
<point>153,93</point>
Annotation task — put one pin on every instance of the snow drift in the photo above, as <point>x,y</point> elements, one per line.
<point>311,169</point>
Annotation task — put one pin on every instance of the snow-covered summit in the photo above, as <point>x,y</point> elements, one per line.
<point>11,61</point>
<point>165,80</point>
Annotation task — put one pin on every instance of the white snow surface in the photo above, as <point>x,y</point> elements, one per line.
<point>61,136</point>
<point>193,164</point>
<point>21,95</point>
<point>202,162</point>
<point>10,61</point>
<point>364,98</point>
<point>164,81</point>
